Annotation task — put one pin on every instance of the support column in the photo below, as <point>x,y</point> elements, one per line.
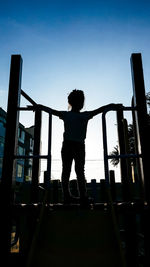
<point>143,138</point>
<point>141,118</point>
<point>8,171</point>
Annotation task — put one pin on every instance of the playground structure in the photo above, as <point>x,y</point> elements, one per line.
<point>131,214</point>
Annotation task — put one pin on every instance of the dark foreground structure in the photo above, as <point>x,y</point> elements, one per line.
<point>109,233</point>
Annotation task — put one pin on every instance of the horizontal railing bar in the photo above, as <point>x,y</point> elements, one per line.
<point>124,156</point>
<point>129,108</point>
<point>26,108</point>
<point>33,108</point>
<point>28,98</point>
<point>31,157</point>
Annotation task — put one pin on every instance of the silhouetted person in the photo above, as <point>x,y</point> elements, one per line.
<point>73,148</point>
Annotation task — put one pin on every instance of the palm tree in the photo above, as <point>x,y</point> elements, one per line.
<point>115,152</point>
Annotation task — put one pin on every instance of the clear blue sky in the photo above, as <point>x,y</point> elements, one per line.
<point>80,44</point>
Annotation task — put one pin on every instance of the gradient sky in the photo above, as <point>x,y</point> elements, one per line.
<point>80,44</point>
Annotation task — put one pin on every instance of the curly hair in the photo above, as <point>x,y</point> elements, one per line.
<point>76,99</point>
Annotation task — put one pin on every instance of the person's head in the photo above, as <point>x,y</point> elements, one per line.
<point>76,99</point>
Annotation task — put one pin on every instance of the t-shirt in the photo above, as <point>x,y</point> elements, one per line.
<point>75,125</point>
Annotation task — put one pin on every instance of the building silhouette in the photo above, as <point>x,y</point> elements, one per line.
<point>24,148</point>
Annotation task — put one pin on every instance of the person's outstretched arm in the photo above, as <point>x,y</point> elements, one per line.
<point>102,108</point>
<point>49,110</point>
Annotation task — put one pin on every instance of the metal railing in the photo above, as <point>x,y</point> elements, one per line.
<point>37,136</point>
<point>105,146</point>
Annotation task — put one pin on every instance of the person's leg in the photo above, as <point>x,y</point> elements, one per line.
<point>79,157</point>
<point>67,159</point>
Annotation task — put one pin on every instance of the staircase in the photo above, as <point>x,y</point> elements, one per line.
<point>72,236</point>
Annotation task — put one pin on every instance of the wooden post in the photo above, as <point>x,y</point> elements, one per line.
<point>112,184</point>
<point>55,191</point>
<point>142,127</point>
<point>8,171</point>
<point>94,189</point>
<point>123,165</point>
<point>127,150</point>
<point>143,134</point>
<point>103,191</point>
<point>36,152</point>
<point>137,167</point>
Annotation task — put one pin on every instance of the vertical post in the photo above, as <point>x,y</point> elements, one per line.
<point>137,167</point>
<point>112,184</point>
<point>123,165</point>
<point>127,150</point>
<point>36,153</point>
<point>55,191</point>
<point>142,128</point>
<point>94,189</point>
<point>143,133</point>
<point>105,149</point>
<point>103,190</point>
<point>48,172</point>
<point>9,172</point>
